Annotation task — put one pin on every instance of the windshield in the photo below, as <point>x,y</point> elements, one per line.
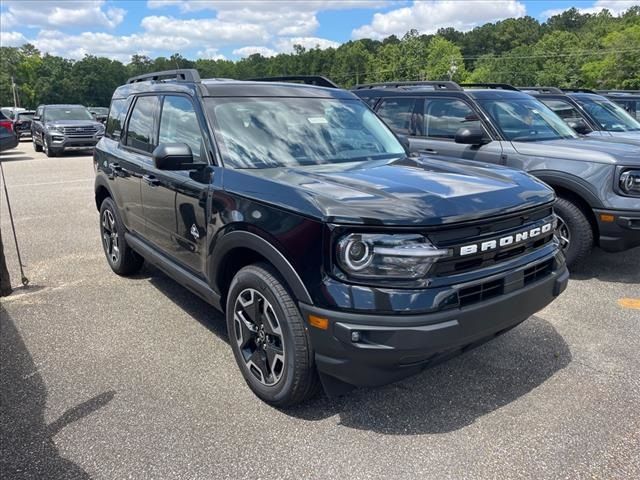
<point>25,116</point>
<point>610,117</point>
<point>68,113</point>
<point>276,132</point>
<point>99,110</point>
<point>526,120</point>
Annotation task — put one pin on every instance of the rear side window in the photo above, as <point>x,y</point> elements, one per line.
<point>563,109</point>
<point>179,124</point>
<point>443,117</point>
<point>140,128</point>
<point>116,118</point>
<point>400,115</point>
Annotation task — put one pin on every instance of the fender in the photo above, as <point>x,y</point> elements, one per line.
<point>101,182</point>
<point>570,182</point>
<point>243,239</point>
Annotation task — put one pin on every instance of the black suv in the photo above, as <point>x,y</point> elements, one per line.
<point>597,180</point>
<point>59,128</point>
<point>296,211</point>
<point>589,113</point>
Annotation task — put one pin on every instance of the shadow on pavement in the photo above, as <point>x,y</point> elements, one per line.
<point>622,267</point>
<point>439,400</point>
<point>27,450</point>
<point>13,156</point>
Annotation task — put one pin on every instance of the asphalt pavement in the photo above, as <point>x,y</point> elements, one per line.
<point>105,377</point>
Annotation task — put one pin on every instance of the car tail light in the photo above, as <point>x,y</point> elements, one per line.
<point>6,124</point>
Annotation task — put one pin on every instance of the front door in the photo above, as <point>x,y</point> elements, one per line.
<point>175,201</point>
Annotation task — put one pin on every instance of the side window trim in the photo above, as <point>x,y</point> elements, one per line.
<point>201,119</point>
<point>154,127</point>
<point>426,99</point>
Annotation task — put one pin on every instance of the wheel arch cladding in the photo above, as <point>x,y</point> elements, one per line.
<point>238,249</point>
<point>102,192</point>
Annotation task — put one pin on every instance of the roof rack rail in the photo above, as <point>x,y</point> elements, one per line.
<point>496,86</point>
<point>437,85</point>
<point>618,92</point>
<point>579,90</point>
<point>317,80</point>
<point>541,89</point>
<point>183,75</point>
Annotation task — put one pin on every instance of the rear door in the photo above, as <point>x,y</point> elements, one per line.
<point>441,117</point>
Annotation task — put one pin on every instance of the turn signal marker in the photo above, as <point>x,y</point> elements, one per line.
<point>319,322</point>
<point>605,217</point>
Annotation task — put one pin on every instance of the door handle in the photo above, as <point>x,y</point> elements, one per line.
<point>115,167</point>
<point>151,180</point>
<point>429,150</point>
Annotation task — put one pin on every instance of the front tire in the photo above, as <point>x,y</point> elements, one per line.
<point>36,147</point>
<point>574,230</point>
<point>269,339</point>
<point>121,258</point>
<point>48,151</point>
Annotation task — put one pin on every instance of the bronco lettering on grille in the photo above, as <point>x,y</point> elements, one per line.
<point>506,240</point>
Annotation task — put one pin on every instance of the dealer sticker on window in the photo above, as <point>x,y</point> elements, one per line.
<point>317,120</point>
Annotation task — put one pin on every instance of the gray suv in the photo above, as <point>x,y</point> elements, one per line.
<point>59,128</point>
<point>597,182</point>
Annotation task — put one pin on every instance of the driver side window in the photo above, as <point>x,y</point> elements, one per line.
<point>443,117</point>
<point>179,124</point>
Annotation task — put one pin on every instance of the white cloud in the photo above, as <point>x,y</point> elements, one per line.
<point>211,54</point>
<point>61,13</point>
<point>429,15</point>
<point>12,39</point>
<point>285,45</point>
<point>210,31</point>
<point>247,51</point>
<point>616,7</point>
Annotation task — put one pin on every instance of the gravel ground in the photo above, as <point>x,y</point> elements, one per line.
<point>110,378</point>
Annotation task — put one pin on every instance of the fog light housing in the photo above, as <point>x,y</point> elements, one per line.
<point>629,182</point>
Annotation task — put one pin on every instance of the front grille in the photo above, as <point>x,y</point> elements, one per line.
<point>455,237</point>
<point>480,292</point>
<point>538,271</point>
<point>87,131</point>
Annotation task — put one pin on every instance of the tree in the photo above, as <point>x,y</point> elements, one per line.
<point>619,67</point>
<point>444,61</point>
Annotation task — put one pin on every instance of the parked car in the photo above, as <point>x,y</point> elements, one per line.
<point>5,121</point>
<point>99,113</point>
<point>10,112</point>
<point>597,182</point>
<point>22,123</point>
<point>588,113</point>
<point>627,99</point>
<point>59,128</point>
<point>334,255</point>
<point>8,139</point>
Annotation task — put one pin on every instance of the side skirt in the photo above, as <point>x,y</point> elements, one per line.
<point>175,271</point>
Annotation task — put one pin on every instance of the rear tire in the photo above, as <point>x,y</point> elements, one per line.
<point>121,258</point>
<point>36,147</point>
<point>575,231</point>
<point>269,339</point>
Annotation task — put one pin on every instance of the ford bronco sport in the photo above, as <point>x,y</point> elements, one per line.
<point>337,259</point>
<point>597,181</point>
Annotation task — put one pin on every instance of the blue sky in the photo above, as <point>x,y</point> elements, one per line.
<point>233,29</point>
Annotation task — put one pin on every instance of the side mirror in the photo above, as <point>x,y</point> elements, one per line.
<point>174,156</point>
<point>580,127</point>
<point>471,136</point>
<point>404,141</point>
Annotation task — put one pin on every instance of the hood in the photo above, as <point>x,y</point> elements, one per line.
<point>588,149</point>
<point>72,123</point>
<point>411,191</point>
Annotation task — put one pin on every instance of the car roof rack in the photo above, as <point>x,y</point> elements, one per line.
<point>496,86</point>
<point>578,90</point>
<point>317,80</point>
<point>183,75</point>
<point>436,85</point>
<point>541,89</point>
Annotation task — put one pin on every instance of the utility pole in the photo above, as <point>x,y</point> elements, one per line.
<point>15,96</point>
<point>453,68</point>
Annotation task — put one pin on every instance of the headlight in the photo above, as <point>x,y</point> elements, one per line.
<point>100,130</point>
<point>54,130</point>
<point>629,182</point>
<point>387,256</point>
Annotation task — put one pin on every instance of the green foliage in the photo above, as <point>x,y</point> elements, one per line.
<point>568,50</point>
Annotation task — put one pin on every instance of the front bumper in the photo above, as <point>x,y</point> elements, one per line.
<point>622,233</point>
<point>390,347</point>
<point>60,142</point>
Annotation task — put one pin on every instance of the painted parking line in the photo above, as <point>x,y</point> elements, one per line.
<point>629,303</point>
